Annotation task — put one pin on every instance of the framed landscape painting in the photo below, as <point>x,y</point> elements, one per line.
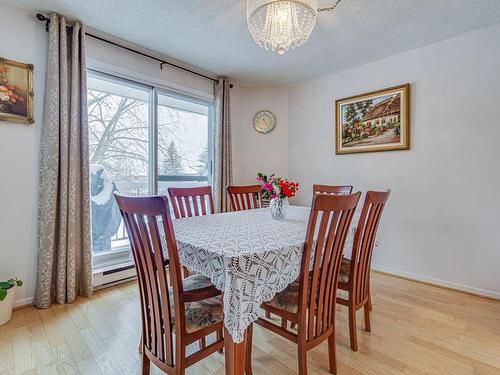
<point>375,121</point>
<point>16,91</point>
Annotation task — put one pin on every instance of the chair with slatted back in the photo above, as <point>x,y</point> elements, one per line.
<point>355,272</point>
<point>188,202</point>
<point>175,312</point>
<point>323,189</point>
<point>244,197</point>
<point>331,189</point>
<point>309,302</point>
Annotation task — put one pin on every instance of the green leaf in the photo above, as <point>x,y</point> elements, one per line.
<point>19,283</point>
<point>5,285</point>
<point>3,294</point>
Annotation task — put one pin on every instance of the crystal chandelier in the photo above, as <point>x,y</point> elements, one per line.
<point>281,24</point>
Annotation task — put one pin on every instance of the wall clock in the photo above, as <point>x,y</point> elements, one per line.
<point>264,122</point>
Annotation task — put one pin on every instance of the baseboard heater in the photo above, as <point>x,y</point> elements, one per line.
<point>110,277</point>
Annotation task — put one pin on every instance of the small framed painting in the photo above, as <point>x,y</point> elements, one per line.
<point>375,121</point>
<point>16,91</point>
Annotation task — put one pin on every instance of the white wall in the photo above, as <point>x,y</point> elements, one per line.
<point>441,221</point>
<point>19,144</point>
<point>19,147</point>
<point>254,152</point>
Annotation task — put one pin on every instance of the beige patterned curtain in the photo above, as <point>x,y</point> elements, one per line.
<point>223,168</point>
<point>64,233</point>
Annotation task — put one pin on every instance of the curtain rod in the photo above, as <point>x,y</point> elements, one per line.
<point>42,18</point>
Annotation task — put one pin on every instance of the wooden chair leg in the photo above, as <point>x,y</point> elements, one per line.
<point>368,326</point>
<point>180,358</point>
<point>332,354</point>
<point>284,323</point>
<point>219,337</point>
<point>302,354</point>
<point>146,365</point>
<point>248,351</point>
<point>370,307</point>
<point>352,328</point>
<point>268,314</point>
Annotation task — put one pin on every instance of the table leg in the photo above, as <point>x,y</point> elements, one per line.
<point>235,354</point>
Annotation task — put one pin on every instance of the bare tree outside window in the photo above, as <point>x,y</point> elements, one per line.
<point>118,134</point>
<point>120,140</point>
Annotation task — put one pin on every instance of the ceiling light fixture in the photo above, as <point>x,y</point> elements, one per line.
<point>282,24</point>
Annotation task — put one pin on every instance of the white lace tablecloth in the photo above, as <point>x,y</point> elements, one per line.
<point>247,255</point>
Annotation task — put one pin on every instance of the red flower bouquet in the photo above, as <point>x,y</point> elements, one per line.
<point>278,190</point>
<point>277,187</point>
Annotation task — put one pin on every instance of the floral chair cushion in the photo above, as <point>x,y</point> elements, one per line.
<point>196,281</point>
<point>201,313</point>
<point>288,299</point>
<point>345,270</point>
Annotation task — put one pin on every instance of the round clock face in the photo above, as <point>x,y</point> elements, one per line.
<point>264,122</point>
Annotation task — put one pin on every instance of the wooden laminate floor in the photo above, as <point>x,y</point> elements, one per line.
<point>416,329</point>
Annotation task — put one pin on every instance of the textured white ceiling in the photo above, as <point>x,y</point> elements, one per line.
<point>213,34</point>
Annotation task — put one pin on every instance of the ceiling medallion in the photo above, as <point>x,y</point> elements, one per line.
<point>282,24</point>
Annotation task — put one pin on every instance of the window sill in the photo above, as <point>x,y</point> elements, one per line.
<point>111,260</point>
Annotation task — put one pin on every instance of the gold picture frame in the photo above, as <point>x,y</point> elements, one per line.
<point>374,121</point>
<point>16,91</point>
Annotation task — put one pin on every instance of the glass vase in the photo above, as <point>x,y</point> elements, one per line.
<point>279,208</point>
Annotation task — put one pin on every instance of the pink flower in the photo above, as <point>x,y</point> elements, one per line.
<point>260,179</point>
<point>268,187</point>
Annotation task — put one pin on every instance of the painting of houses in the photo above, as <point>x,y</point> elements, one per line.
<point>376,121</point>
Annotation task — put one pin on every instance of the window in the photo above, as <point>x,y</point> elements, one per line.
<point>183,147</point>
<point>143,139</point>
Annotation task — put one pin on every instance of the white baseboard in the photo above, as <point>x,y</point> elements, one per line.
<point>24,302</point>
<point>438,282</point>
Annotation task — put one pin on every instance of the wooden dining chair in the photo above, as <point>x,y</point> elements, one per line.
<point>355,272</point>
<point>332,189</point>
<point>175,312</point>
<point>324,189</point>
<point>309,302</point>
<point>244,197</point>
<point>188,202</point>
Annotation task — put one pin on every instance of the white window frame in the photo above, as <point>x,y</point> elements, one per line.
<point>120,256</point>
<point>204,102</point>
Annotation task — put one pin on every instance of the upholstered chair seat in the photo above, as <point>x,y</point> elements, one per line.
<point>202,313</point>
<point>345,269</point>
<point>287,299</point>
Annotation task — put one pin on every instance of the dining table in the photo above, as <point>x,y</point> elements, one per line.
<point>250,257</point>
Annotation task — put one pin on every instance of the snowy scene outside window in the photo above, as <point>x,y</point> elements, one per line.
<point>183,149</point>
<point>121,136</point>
